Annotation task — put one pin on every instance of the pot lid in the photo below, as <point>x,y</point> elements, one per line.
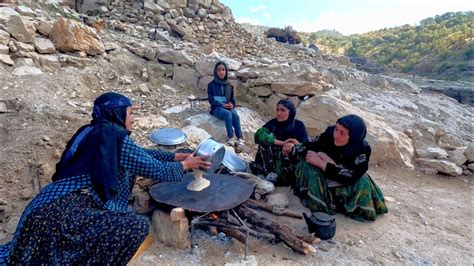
<point>322,217</point>
<point>233,161</point>
<point>168,136</point>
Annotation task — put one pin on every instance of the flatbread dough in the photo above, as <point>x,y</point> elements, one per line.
<point>199,183</point>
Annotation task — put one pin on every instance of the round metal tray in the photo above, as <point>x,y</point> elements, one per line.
<point>168,136</point>
<point>213,149</point>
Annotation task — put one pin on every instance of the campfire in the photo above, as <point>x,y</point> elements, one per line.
<point>232,205</point>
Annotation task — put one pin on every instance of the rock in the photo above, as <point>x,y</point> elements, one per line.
<point>21,47</point>
<point>178,30</point>
<point>297,88</point>
<point>4,49</point>
<point>143,203</point>
<point>88,6</point>
<point>21,29</point>
<point>174,13</point>
<point>176,57</point>
<point>26,70</point>
<point>185,77</point>
<point>49,62</point>
<point>404,85</point>
<point>250,261</point>
<point>26,193</point>
<point>175,3</point>
<point>177,214</point>
<point>156,34</point>
<point>204,81</point>
<point>71,36</point>
<point>143,88</point>
<point>151,122</point>
<point>45,28</point>
<point>278,200</point>
<point>377,81</point>
<point>176,109</point>
<point>3,109</point>
<point>467,173</point>
<point>11,225</point>
<point>247,73</point>
<point>469,153</point>
<point>457,156</point>
<point>262,91</point>
<point>216,127</point>
<point>442,166</point>
<point>111,46</point>
<point>25,11</point>
<point>150,54</point>
<point>471,166</point>
<point>151,6</point>
<point>4,37</point>
<point>44,46</point>
<point>432,152</point>
<point>195,135</point>
<point>205,67</point>
<point>388,145</point>
<point>169,232</point>
<point>4,58</point>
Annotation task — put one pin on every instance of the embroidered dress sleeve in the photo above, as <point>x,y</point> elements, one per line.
<point>264,136</point>
<point>160,155</point>
<point>136,160</point>
<point>349,174</point>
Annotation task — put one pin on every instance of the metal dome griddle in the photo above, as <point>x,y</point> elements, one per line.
<point>225,192</point>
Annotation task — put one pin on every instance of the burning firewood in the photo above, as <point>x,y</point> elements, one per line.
<point>281,231</point>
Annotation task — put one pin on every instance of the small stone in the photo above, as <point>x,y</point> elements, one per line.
<point>27,70</point>
<point>4,49</point>
<point>45,28</point>
<point>26,193</point>
<point>144,89</point>
<point>278,200</point>
<point>471,166</point>
<point>6,59</point>
<point>177,214</point>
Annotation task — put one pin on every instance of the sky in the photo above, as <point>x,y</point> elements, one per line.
<point>345,16</point>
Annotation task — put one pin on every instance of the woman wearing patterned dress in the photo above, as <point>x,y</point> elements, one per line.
<point>82,217</point>
<point>274,140</point>
<point>341,154</point>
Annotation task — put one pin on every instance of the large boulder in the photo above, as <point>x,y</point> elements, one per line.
<point>185,77</point>
<point>442,166</point>
<point>21,29</point>
<point>250,121</point>
<point>71,36</point>
<point>296,88</point>
<point>204,81</point>
<point>44,46</point>
<point>388,145</point>
<point>469,153</point>
<point>457,156</point>
<point>404,85</point>
<point>173,56</point>
<point>205,67</point>
<point>431,153</point>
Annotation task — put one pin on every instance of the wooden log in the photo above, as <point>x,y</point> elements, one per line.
<point>233,233</point>
<point>268,208</point>
<point>281,231</point>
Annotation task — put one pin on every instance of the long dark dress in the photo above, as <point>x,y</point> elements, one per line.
<point>68,222</point>
<point>359,197</point>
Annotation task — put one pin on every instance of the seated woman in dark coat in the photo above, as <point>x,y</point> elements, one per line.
<point>82,217</point>
<point>341,154</point>
<point>274,140</point>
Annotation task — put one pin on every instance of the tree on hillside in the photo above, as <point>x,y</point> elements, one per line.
<point>286,35</point>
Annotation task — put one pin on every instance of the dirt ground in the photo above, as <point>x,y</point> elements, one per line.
<point>430,218</point>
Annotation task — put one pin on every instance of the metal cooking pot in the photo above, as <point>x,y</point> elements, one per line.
<point>233,162</point>
<point>321,224</point>
<point>168,136</point>
<point>213,149</point>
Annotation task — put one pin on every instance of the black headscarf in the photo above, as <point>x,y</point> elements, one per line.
<point>95,148</point>
<point>225,85</point>
<point>287,129</point>
<point>357,133</point>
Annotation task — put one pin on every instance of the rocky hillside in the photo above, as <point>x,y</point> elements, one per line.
<point>161,54</point>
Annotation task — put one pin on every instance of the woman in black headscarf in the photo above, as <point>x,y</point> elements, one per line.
<point>82,217</point>
<point>275,139</point>
<point>340,154</point>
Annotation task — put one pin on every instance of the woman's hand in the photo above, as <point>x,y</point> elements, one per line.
<point>314,159</point>
<point>196,162</point>
<point>287,147</point>
<point>325,157</point>
<point>228,106</point>
<point>294,141</point>
<point>178,157</point>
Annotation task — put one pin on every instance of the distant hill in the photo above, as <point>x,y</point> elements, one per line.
<point>439,47</point>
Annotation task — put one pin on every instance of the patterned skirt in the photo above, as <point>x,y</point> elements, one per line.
<point>361,201</point>
<point>270,158</point>
<point>72,230</point>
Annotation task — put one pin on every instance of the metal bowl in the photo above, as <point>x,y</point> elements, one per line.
<point>168,136</point>
<point>233,162</point>
<point>213,149</point>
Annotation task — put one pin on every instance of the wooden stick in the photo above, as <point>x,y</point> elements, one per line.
<point>269,208</point>
<point>281,231</point>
